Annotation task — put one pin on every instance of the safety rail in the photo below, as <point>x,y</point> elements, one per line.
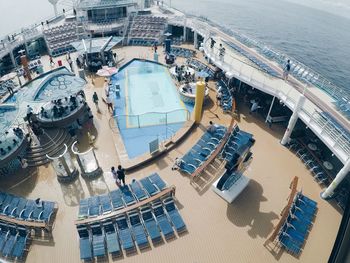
<point>149,119</point>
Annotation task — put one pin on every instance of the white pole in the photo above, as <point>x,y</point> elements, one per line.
<point>268,114</point>
<point>337,180</point>
<point>293,119</point>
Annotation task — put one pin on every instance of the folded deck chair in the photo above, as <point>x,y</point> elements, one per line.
<point>84,243</point>
<point>174,214</point>
<point>138,191</point>
<point>125,234</point>
<point>10,242</point>
<point>163,221</point>
<point>112,241</point>
<point>49,208</point>
<point>98,241</point>
<point>83,208</point>
<point>138,230</point>
<point>106,205</point>
<point>21,243</point>
<point>116,198</point>
<point>158,181</point>
<point>19,208</point>
<point>94,206</point>
<point>128,197</point>
<point>149,187</point>
<point>28,210</point>
<point>150,224</point>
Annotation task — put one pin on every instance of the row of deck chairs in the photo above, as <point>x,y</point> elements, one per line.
<point>237,142</point>
<point>316,170</point>
<point>62,50</point>
<point>177,41</point>
<point>295,230</point>
<point>125,196</point>
<point>13,241</point>
<point>5,85</point>
<point>138,227</point>
<point>65,28</point>
<point>202,150</point>
<point>226,98</point>
<point>143,42</point>
<point>253,59</point>
<point>199,66</point>
<point>26,209</point>
<point>183,52</point>
<point>149,20</point>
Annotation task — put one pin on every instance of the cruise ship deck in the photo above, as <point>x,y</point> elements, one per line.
<point>217,231</point>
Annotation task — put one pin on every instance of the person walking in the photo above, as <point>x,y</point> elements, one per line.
<point>212,43</point>
<point>286,70</point>
<point>109,103</point>
<point>221,52</point>
<point>115,176</point>
<point>95,99</point>
<point>29,114</point>
<point>70,62</point>
<point>121,174</point>
<point>52,63</point>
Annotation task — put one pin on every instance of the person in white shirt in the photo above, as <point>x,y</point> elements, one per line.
<point>109,103</point>
<point>255,106</point>
<point>212,127</point>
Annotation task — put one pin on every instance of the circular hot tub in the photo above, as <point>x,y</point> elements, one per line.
<point>188,93</point>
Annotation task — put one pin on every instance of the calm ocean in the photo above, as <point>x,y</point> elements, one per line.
<point>315,37</point>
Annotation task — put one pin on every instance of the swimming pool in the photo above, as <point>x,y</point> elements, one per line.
<point>148,105</point>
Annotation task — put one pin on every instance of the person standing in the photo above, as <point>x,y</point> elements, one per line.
<point>70,62</point>
<point>286,70</point>
<point>52,63</point>
<point>109,103</point>
<point>115,175</point>
<point>95,99</point>
<point>29,114</point>
<point>212,43</point>
<point>121,174</point>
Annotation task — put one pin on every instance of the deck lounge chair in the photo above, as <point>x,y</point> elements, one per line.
<point>28,210</point>
<point>19,208</point>
<point>138,191</point>
<point>10,242</point>
<point>6,202</point>
<point>150,224</point>
<point>163,221</point>
<point>125,234</point>
<point>84,243</point>
<point>4,234</point>
<point>11,206</point>
<point>83,208</point>
<point>128,197</point>
<point>106,205</point>
<point>49,209</point>
<point>149,187</point>
<point>21,243</point>
<point>288,244</point>
<point>94,206</point>
<point>98,241</point>
<point>158,181</point>
<point>112,241</point>
<point>174,215</point>
<point>117,201</point>
<point>37,210</point>
<point>138,230</point>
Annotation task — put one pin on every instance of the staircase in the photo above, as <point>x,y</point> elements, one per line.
<point>51,143</point>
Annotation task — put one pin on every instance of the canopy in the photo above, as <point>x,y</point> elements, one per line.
<point>96,45</point>
<point>107,71</point>
<point>8,76</point>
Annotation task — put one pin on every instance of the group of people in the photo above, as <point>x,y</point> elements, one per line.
<point>182,73</point>
<point>118,175</point>
<point>222,50</point>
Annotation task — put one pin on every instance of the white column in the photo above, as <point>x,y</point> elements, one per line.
<point>293,119</point>
<point>12,57</point>
<point>195,39</point>
<point>337,180</point>
<point>185,31</point>
<point>268,114</point>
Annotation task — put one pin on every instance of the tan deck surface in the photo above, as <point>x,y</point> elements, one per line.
<point>218,232</point>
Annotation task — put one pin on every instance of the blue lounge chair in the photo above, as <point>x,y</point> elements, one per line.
<point>49,209</point>
<point>117,201</point>
<point>20,207</point>
<point>84,243</point>
<point>149,187</point>
<point>125,234</point>
<point>288,244</point>
<point>21,243</point>
<point>4,234</point>
<point>98,241</point>
<point>10,242</point>
<point>128,197</point>
<point>174,215</point>
<point>28,210</point>
<point>94,206</point>
<point>106,205</point>
<point>83,208</point>
<point>150,224</point>
<point>138,230</point>
<point>112,241</point>
<point>163,221</point>
<point>158,181</point>
<point>138,191</point>
<point>6,202</point>
<point>11,206</point>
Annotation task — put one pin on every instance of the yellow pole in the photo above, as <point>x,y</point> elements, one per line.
<point>200,92</point>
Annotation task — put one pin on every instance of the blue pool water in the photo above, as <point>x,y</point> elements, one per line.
<point>148,105</point>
